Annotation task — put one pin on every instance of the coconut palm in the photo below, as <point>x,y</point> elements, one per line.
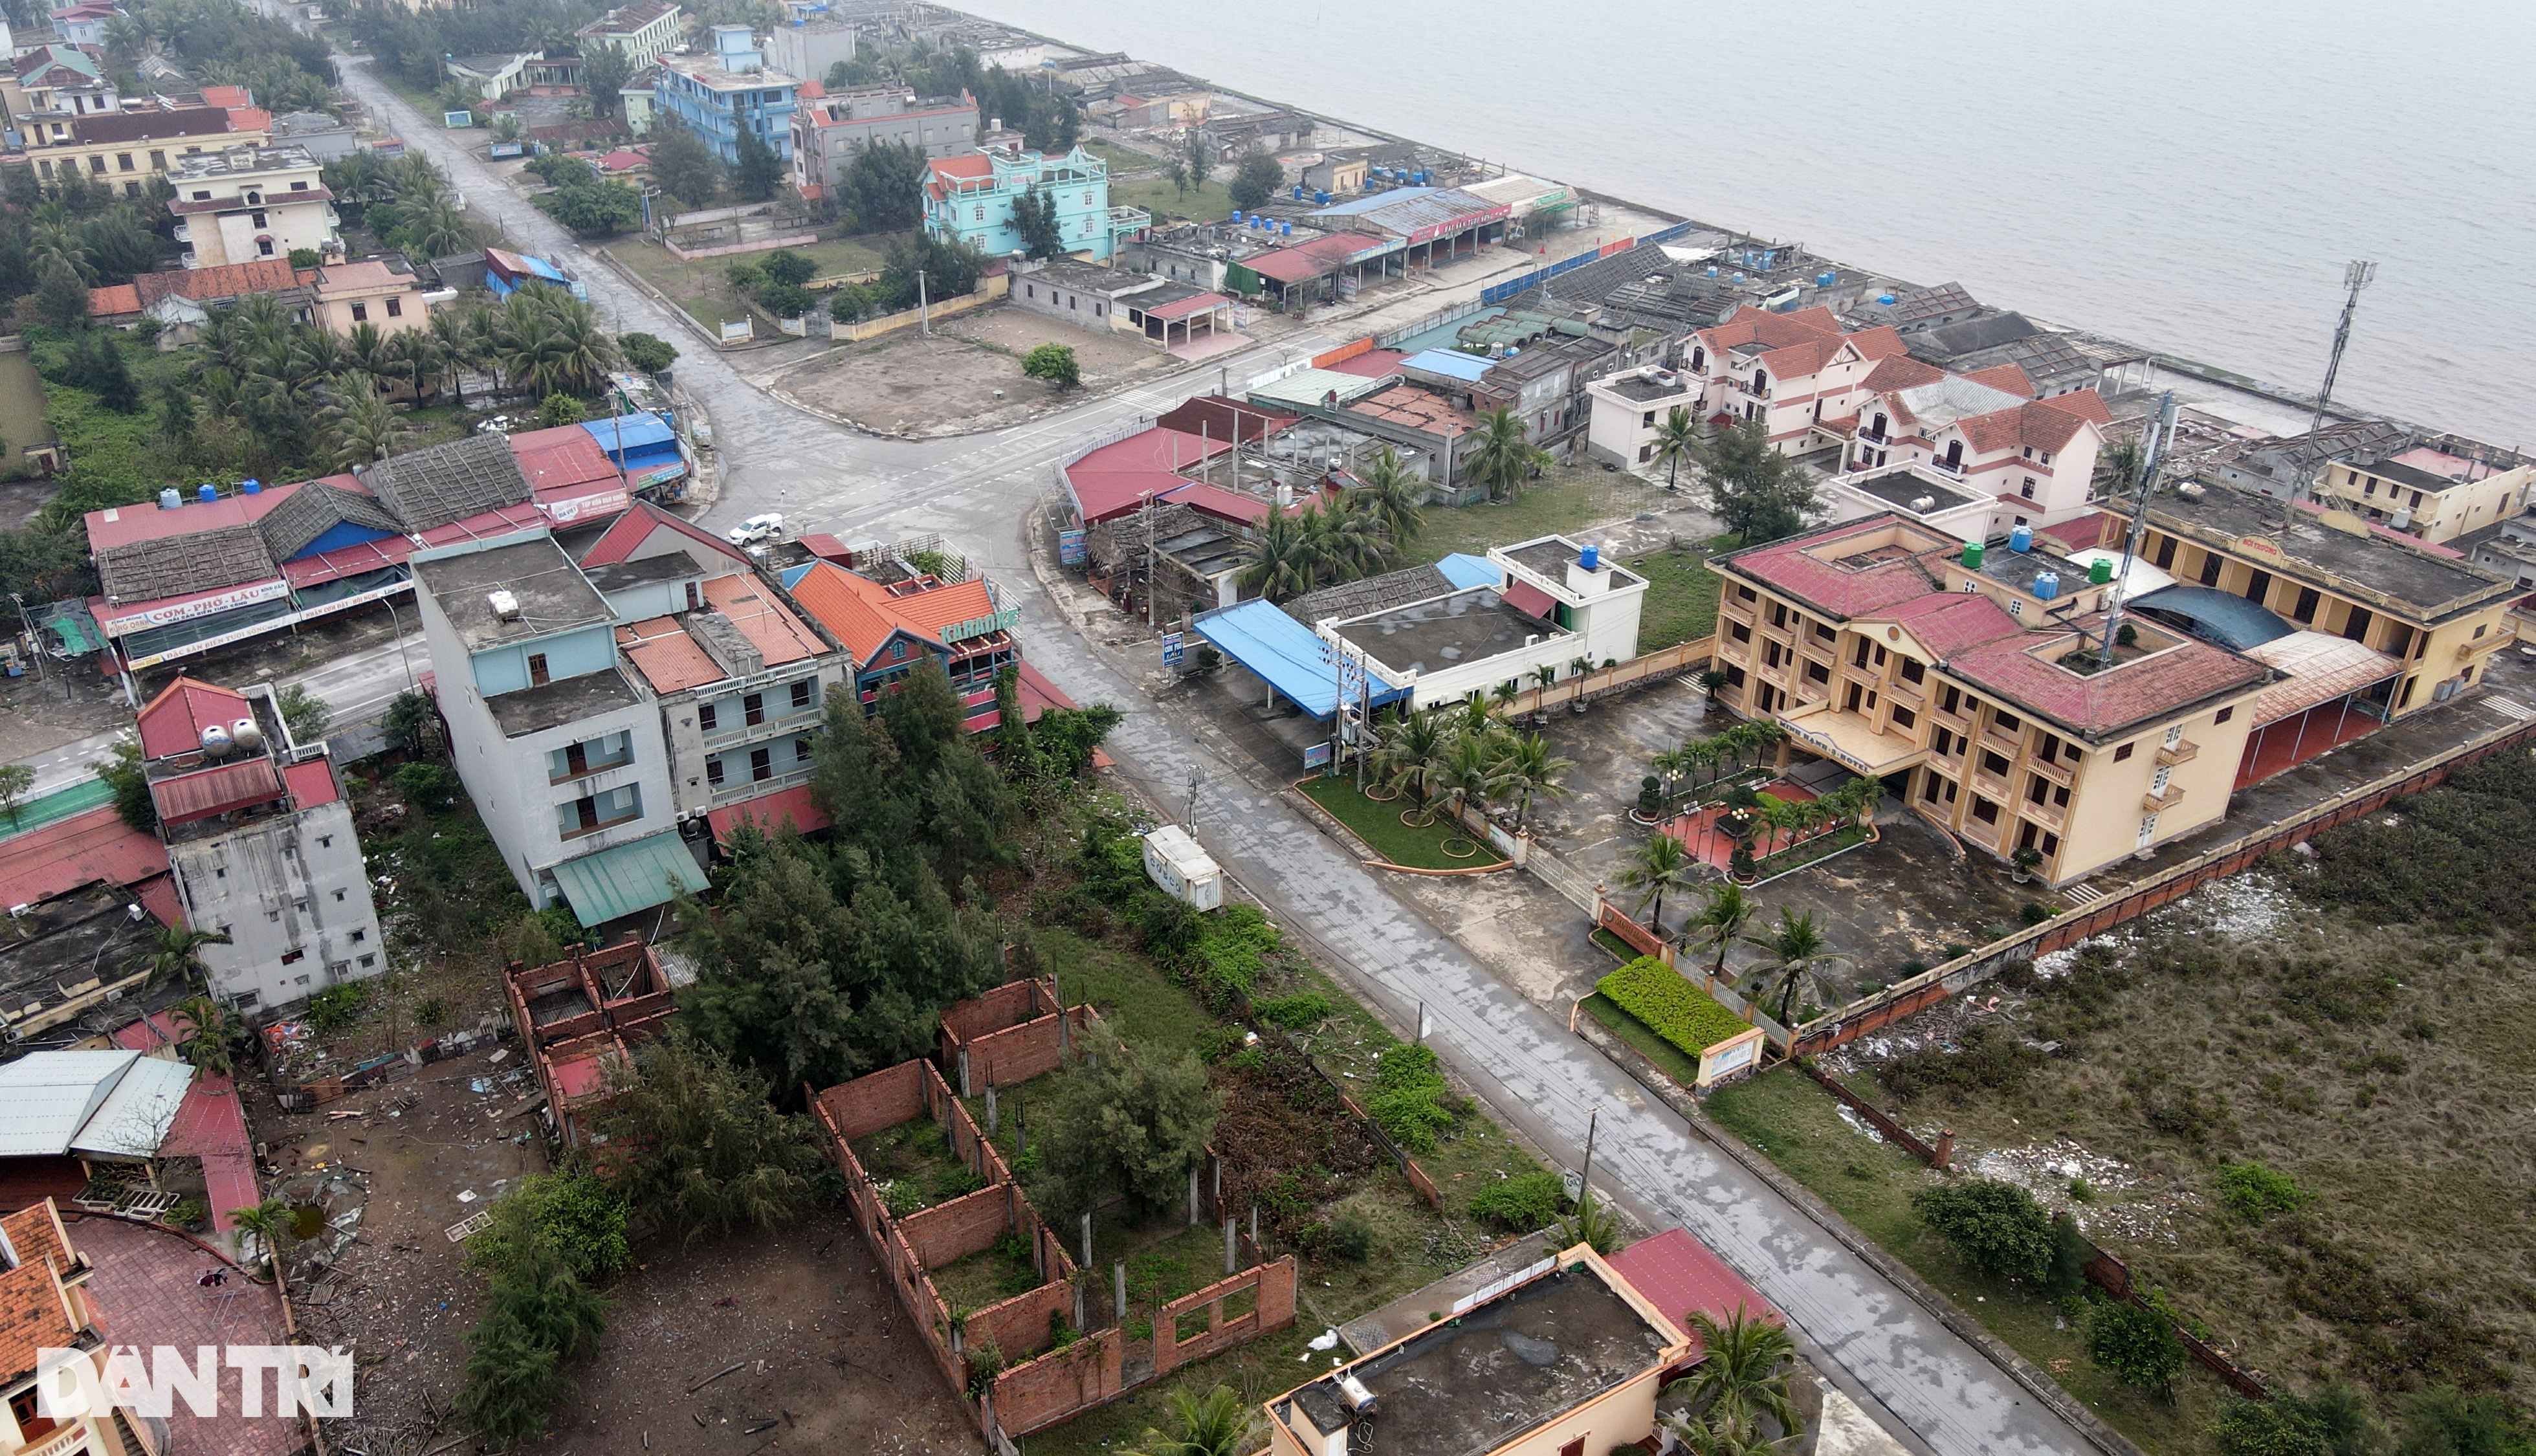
<point>1277,560</point>
<point>1718,926</point>
<point>1797,956</point>
<point>453,332</point>
<point>417,356</point>
<point>1211,1425</point>
<point>1546,674</point>
<point>1470,772</point>
<point>1655,869</point>
<point>1741,1377</point>
<point>1505,457</point>
<point>213,1046</point>
<point>1674,439</point>
<point>365,348</point>
<point>1409,757</point>
<point>362,425</point>
<point>175,953</point>
<point>1530,766</point>
<point>2117,465</point>
<point>1392,495</point>
<point>1343,545</point>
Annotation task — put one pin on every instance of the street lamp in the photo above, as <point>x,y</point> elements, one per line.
<point>398,623</point>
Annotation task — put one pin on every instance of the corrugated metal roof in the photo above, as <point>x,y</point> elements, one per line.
<point>1372,200</point>
<point>1314,387</point>
<point>1283,653</point>
<point>107,1103</point>
<point>215,790</point>
<point>1467,571</point>
<point>1453,363</point>
<point>630,877</point>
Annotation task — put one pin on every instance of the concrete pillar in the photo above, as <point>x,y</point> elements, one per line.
<point>1192,1223</point>
<point>1945,1148</point>
<point>965,1089</point>
<point>990,1110</point>
<point>1118,1287</point>
<point>1087,1241</point>
<point>1227,1246</point>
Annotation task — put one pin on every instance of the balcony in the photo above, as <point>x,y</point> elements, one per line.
<point>740,791</point>
<point>2057,770</point>
<point>1952,717</point>
<point>2158,804</point>
<point>2179,753</point>
<point>1945,467</point>
<point>1989,784</point>
<point>2045,814</point>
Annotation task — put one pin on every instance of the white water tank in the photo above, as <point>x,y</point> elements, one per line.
<point>215,740</point>
<point>248,734</point>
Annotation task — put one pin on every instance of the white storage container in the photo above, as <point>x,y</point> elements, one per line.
<point>1185,871</point>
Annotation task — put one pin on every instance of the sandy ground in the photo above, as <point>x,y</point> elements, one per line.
<point>949,384</point>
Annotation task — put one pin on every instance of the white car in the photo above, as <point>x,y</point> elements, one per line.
<point>756,530</point>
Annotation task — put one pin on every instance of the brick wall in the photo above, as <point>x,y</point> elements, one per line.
<point>1018,1053</point>
<point>1006,1005</point>
<point>960,1228</point>
<point>1275,1287</point>
<point>1043,1392</point>
<point>968,1141</point>
<point>882,1099</point>
<point>1019,1326</point>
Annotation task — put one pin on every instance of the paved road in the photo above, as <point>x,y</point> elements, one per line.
<point>1879,1345</point>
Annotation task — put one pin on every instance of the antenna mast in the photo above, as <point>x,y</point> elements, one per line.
<point>2356,275</point>
<point>2154,445</point>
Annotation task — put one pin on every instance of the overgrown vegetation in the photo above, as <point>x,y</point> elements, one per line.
<point>1671,1006</point>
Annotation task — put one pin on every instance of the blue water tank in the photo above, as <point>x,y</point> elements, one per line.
<point>2021,538</point>
<point>1322,199</point>
<point>171,498</point>
<point>1299,192</point>
<point>251,486</point>
<point>1739,275</point>
<point>1591,558</point>
<point>1884,299</point>
<point>1236,217</point>
<point>1286,228</point>
<point>2047,586</point>
<point>1712,270</point>
<point>206,492</point>
<point>1825,279</point>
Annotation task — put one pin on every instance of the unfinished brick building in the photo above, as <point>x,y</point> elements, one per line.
<point>1034,1381</point>
<point>579,1017</point>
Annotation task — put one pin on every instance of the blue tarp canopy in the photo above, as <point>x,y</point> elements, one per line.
<point>2230,621</point>
<point>1453,363</point>
<point>630,877</point>
<point>1466,571</point>
<point>1285,653</point>
<point>633,432</point>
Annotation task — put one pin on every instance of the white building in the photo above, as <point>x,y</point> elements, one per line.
<point>609,713</point>
<point>1630,409</point>
<point>644,30</point>
<point>245,202</point>
<point>262,846</point>
<point>1559,608</point>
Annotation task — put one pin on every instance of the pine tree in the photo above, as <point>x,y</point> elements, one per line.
<point>758,172</point>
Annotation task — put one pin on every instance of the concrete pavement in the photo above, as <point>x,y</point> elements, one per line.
<point>1882,1349</point>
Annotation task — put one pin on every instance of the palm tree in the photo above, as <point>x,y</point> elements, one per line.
<point>1781,816</point>
<point>175,953</point>
<point>1659,864</point>
<point>1530,768</point>
<point>1546,674</point>
<point>366,348</point>
<point>1718,926</point>
<point>270,1222</point>
<point>1387,492</point>
<point>1410,757</point>
<point>1797,955</point>
<point>1210,1425</point>
<point>1505,457</point>
<point>1742,1377</point>
<point>2117,465</point>
<point>213,1047</point>
<point>416,350</point>
<point>1674,438</point>
<point>362,426</point>
<point>1470,772</point>
<point>453,332</point>
<point>1277,560</point>
<point>1343,545</point>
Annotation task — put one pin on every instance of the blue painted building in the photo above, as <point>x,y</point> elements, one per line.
<point>970,199</point>
<point>727,91</point>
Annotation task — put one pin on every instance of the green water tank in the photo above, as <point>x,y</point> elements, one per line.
<point>1972,555</point>
<point>2100,571</point>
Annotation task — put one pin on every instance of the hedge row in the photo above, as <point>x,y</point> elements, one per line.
<point>1671,1007</point>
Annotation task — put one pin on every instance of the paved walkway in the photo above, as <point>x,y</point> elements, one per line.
<point>146,1294</point>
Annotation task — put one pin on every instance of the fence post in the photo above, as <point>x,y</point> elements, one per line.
<point>990,1110</point>
<point>1118,1283</point>
<point>1192,1223</point>
<point>1227,1246</point>
<point>1945,1149</point>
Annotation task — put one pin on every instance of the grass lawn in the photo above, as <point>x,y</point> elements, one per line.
<point>840,254</point>
<point>1566,498</point>
<point>1820,847</point>
<point>1798,1124</point>
<point>701,287</point>
<point>1207,204</point>
<point>1377,823</point>
<point>1122,159</point>
<point>1621,950</point>
<point>1677,1064</point>
<point>1680,603</point>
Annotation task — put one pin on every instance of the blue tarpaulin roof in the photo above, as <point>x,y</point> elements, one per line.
<point>630,877</point>
<point>1453,363</point>
<point>634,431</point>
<point>1285,653</point>
<point>1466,571</point>
<point>1373,200</point>
<point>2230,621</point>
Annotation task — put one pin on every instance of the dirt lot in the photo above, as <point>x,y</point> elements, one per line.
<point>910,385</point>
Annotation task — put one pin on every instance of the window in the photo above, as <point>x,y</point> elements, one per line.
<point>1994,763</point>
<point>2223,715</point>
<point>2027,489</point>
<point>761,764</point>
<point>1769,653</point>
<point>124,161</point>
<point>2258,587</point>
<point>325,841</point>
<point>2122,752</point>
<point>361,313</point>
<point>1858,658</point>
<point>1817,672</point>
<point>1913,671</point>
<point>2037,789</point>
<point>32,1424</point>
<point>202,197</point>
<point>157,162</point>
<point>264,247</point>
<point>360,935</point>
<point>599,810</point>
<point>2356,626</point>
<point>1904,718</point>
<point>396,308</point>
<point>338,897</point>
<point>1984,810</point>
<point>2399,640</point>
<point>1950,700</point>
<point>1739,632</point>
<point>257,219</point>
<point>2147,831</point>
<point>802,693</point>
<point>96,164</point>
<point>1745,594</point>
<point>368,961</point>
<point>1825,633</point>
<point>1944,744</point>
<point>753,708</point>
<point>2006,723</point>
<point>2304,611</point>
<point>2166,553</point>
<point>2211,563</point>
<point>293,955</point>
<point>704,716</point>
<point>713,772</point>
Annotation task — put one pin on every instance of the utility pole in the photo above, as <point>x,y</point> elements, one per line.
<point>924,313</point>
<point>1150,583</point>
<point>1190,815</point>
<point>34,643</point>
<point>2356,275</point>
<point>1585,1175</point>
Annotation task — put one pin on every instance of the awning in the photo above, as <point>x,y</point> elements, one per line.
<point>1282,652</point>
<point>2320,668</point>
<point>2230,621</point>
<point>1530,601</point>
<point>768,813</point>
<point>630,877</point>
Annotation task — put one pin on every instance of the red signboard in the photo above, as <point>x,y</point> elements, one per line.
<point>1462,224</point>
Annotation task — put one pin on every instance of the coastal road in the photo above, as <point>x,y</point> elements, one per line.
<point>1940,1391</point>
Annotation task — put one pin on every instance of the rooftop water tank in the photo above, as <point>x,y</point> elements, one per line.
<point>1322,199</point>
<point>251,486</point>
<point>215,740</point>
<point>1285,229</point>
<point>206,492</point>
<point>2021,538</point>
<point>2047,586</point>
<point>1825,279</point>
<point>1924,504</point>
<point>2100,571</point>
<point>1236,217</point>
<point>1591,558</point>
<point>248,734</point>
<point>1299,192</point>
<point>171,498</point>
<point>1884,299</point>
<point>1973,552</point>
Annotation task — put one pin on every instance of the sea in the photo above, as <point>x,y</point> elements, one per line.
<point>2186,175</point>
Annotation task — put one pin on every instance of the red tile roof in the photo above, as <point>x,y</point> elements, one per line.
<point>2025,672</point>
<point>558,460</point>
<point>215,790</point>
<point>779,636</point>
<point>785,808</point>
<point>2045,424</point>
<point>667,657</point>
<point>211,1124</point>
<point>863,614</point>
<point>173,722</point>
<point>2078,533</point>
<point>1798,566</point>
<point>202,284</point>
<point>227,96</point>
<point>2007,377</point>
<point>72,851</point>
<point>626,535</point>
<point>1880,342</point>
<point>312,783</point>
<point>1949,622</point>
<point>34,1309</point>
<point>1901,372</point>
<point>949,174</point>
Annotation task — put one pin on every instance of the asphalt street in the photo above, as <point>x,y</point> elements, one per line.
<point>1939,1392</point>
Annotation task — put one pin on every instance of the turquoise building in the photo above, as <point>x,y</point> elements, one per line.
<point>969,199</point>
<point>719,96</point>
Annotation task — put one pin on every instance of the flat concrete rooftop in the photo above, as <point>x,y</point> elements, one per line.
<point>2432,584</point>
<point>553,595</point>
<point>1465,627</point>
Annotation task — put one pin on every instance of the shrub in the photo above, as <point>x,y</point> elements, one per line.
<point>2035,913</point>
<point>2253,1191</point>
<point>1297,1012</point>
<point>1995,1227</point>
<point>1671,1006</point>
<point>1215,1044</point>
<point>2136,1345</point>
<point>1347,1237</point>
<point>1522,1203</point>
<point>186,1214</point>
<point>648,352</point>
<point>2244,1428</point>
<point>1233,948</point>
<point>336,1007</point>
<point>429,785</point>
<point>1409,1096</point>
<point>1053,362</point>
<point>582,1218</point>
<point>1991,1058</point>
